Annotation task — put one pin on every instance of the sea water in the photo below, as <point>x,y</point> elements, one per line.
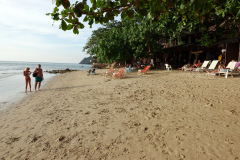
<point>12,81</point>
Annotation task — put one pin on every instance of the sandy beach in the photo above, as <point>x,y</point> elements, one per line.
<point>161,116</point>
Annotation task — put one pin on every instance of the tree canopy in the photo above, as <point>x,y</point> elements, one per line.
<point>188,15</point>
<point>145,23</point>
<point>126,40</point>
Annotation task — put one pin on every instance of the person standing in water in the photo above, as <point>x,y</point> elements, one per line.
<point>27,74</point>
<point>39,77</point>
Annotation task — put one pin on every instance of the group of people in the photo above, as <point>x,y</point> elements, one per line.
<point>196,65</point>
<point>220,66</point>
<point>38,74</point>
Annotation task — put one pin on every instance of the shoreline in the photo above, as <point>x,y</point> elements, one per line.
<point>14,89</point>
<point>173,115</point>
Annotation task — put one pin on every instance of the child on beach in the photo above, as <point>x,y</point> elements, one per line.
<point>27,74</point>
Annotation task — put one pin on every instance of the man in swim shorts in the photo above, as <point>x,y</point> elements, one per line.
<point>39,77</point>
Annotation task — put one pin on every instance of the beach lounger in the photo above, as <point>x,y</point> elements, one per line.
<point>119,74</point>
<point>167,66</point>
<point>113,64</point>
<point>203,67</point>
<point>93,72</point>
<point>109,72</point>
<point>129,69</point>
<point>228,70</point>
<point>188,68</point>
<point>213,65</point>
<point>144,71</point>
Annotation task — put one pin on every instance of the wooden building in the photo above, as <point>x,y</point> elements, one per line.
<point>191,51</point>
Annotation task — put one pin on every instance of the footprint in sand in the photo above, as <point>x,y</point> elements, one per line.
<point>12,139</point>
<point>231,112</point>
<point>120,110</point>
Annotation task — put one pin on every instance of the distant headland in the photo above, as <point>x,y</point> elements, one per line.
<point>87,60</point>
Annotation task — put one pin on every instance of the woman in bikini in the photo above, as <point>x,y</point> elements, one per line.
<point>220,66</point>
<point>27,74</point>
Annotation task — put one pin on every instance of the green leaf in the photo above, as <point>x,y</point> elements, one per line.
<point>66,4</point>
<point>69,27</point>
<point>110,15</point>
<point>56,16</point>
<point>80,6</point>
<point>99,3</point>
<point>70,17</point>
<point>112,4</point>
<point>105,20</point>
<point>94,4</point>
<point>90,22</point>
<point>77,12</point>
<point>85,19</point>
<point>81,25</point>
<point>84,2</point>
<point>64,25</point>
<point>67,20</point>
<point>75,30</point>
<point>123,14</point>
<point>86,8</point>
<point>55,9</point>
<point>182,6</point>
<point>58,3</point>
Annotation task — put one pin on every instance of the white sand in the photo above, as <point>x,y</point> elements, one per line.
<point>164,115</point>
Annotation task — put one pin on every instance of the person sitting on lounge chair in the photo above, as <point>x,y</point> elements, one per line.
<point>196,65</point>
<point>236,66</point>
<point>220,66</point>
<point>91,71</point>
<point>185,66</point>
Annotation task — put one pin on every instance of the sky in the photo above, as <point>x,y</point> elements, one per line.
<point>27,34</point>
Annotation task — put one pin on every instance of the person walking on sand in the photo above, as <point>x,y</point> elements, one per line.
<point>27,74</point>
<point>39,77</point>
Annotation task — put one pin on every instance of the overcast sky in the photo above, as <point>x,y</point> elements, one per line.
<point>27,34</point>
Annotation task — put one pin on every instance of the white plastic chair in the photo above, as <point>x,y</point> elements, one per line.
<point>213,65</point>
<point>229,69</point>
<point>168,67</point>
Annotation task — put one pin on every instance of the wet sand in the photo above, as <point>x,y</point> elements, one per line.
<point>164,115</point>
<point>12,89</point>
